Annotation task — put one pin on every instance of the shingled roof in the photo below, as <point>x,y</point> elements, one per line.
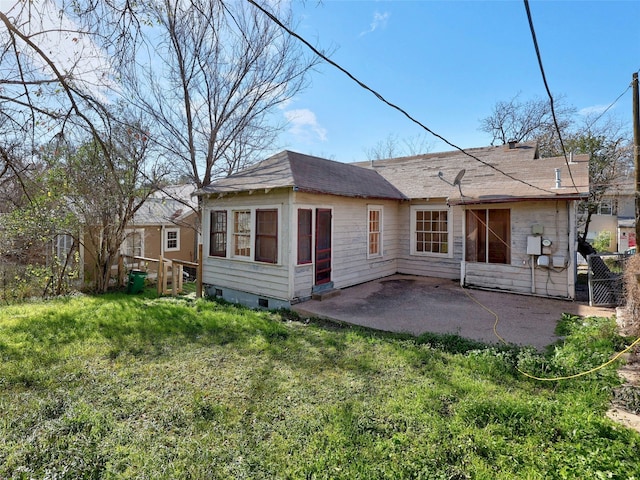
<point>306,173</point>
<point>496,174</point>
<point>491,174</point>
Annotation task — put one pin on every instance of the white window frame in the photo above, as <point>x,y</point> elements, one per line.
<point>235,234</point>
<point>605,204</point>
<point>64,243</point>
<point>433,208</point>
<point>379,232</point>
<point>166,239</point>
<point>128,234</point>
<point>231,211</point>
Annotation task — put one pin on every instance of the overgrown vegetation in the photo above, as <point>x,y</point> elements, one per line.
<point>122,386</point>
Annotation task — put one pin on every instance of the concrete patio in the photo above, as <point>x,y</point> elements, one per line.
<point>412,304</point>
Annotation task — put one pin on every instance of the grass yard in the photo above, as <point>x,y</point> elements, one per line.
<point>122,386</point>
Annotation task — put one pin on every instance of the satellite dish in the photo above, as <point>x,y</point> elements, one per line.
<point>458,178</point>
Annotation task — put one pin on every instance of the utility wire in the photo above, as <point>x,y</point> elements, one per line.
<point>392,105</point>
<point>614,102</point>
<point>544,79</point>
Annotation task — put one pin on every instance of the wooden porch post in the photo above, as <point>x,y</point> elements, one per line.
<point>199,273</point>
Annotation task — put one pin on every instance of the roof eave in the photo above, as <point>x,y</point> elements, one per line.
<point>349,195</point>
<point>506,199</point>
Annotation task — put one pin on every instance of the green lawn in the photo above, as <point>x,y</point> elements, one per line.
<point>124,386</point>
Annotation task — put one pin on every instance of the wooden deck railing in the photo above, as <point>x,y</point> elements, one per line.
<point>166,268</point>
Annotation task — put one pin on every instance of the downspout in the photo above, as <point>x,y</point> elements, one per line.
<point>162,227</point>
<point>463,262</point>
<point>291,261</point>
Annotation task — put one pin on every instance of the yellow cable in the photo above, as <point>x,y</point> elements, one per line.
<point>555,379</point>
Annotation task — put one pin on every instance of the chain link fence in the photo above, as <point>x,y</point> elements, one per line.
<point>606,279</point>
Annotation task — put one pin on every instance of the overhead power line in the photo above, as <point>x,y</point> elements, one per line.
<point>390,104</point>
<point>614,102</point>
<point>544,79</point>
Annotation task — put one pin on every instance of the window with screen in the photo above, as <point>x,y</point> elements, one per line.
<point>488,236</point>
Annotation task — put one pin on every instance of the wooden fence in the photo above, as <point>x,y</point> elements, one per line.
<point>167,269</point>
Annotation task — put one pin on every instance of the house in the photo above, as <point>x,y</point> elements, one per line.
<point>295,226</point>
<point>166,224</point>
<point>615,217</point>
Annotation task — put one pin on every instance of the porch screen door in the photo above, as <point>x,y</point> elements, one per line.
<point>323,246</point>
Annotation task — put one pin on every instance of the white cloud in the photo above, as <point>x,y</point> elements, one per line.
<point>593,110</point>
<point>304,124</point>
<point>379,21</point>
<point>74,53</point>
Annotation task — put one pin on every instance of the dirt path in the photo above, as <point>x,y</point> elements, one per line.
<point>630,372</point>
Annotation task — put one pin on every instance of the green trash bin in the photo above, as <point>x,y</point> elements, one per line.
<point>136,281</point>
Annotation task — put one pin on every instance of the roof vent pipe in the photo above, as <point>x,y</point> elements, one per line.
<point>558,180</point>
<point>512,144</point>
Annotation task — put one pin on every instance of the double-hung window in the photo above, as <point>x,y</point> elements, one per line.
<point>605,207</point>
<point>304,235</point>
<point>374,214</point>
<point>64,244</point>
<point>242,233</point>
<point>218,233</point>
<point>133,244</point>
<point>430,233</point>
<point>247,234</point>
<point>488,236</point>
<point>267,236</point>
<point>172,239</point>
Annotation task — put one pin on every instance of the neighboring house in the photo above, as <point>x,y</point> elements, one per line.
<point>295,225</point>
<point>166,224</point>
<point>615,217</point>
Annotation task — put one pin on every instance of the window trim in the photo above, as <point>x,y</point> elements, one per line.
<point>166,239</point>
<point>487,234</point>
<point>224,232</point>
<point>413,240</point>
<point>308,237</point>
<point>261,235</point>
<point>230,240</point>
<point>235,235</point>
<point>64,245</point>
<point>129,233</point>
<point>379,232</point>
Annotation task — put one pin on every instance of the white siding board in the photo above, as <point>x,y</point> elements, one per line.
<point>516,277</point>
<point>350,265</point>
<point>247,275</point>
<point>428,265</point>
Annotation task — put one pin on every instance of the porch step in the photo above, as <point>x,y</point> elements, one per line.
<point>325,294</point>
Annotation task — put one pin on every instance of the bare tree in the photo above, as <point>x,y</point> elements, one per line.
<point>66,102</point>
<point>520,121</point>
<point>392,146</point>
<point>211,76</point>
<point>603,139</point>
<point>610,152</point>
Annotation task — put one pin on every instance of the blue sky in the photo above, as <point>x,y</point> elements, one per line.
<point>447,63</point>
